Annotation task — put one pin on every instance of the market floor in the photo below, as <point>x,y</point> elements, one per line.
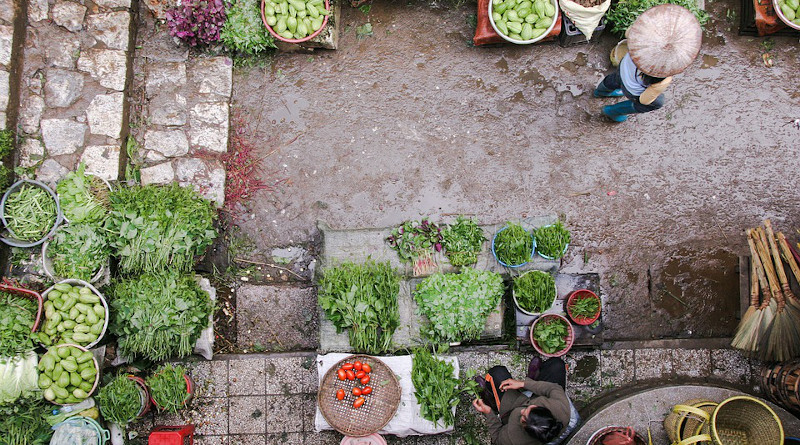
<point>413,120</point>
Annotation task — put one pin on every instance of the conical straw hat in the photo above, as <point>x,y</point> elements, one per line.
<point>664,40</point>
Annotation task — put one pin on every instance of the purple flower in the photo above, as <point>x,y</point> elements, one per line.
<point>438,247</point>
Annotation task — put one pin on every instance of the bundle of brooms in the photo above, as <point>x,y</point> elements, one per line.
<point>770,329</point>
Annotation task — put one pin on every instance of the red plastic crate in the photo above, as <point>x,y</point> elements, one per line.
<point>172,435</point>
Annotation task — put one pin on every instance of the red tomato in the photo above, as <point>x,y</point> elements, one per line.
<point>340,394</point>
<point>365,380</point>
<point>366,368</point>
<point>356,391</point>
<point>359,401</point>
<point>357,366</point>
<point>360,374</point>
<point>366,391</point>
<point>347,366</point>
<point>350,375</point>
<point>341,374</point>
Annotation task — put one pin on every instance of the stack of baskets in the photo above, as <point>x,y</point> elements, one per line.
<point>739,420</point>
<point>781,384</point>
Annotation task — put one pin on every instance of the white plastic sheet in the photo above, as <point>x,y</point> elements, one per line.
<point>585,19</point>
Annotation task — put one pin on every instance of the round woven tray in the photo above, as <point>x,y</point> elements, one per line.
<point>377,411</point>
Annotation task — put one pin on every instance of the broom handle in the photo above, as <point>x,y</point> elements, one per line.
<point>776,258</point>
<point>762,279</point>
<point>786,249</point>
<point>766,263</point>
<point>753,274</point>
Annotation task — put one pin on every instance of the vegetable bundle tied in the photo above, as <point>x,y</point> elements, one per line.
<point>363,300</point>
<point>415,242</point>
<point>436,387</point>
<point>17,315</point>
<point>30,213</point>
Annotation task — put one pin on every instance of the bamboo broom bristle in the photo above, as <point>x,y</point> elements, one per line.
<point>744,331</point>
<point>765,349</point>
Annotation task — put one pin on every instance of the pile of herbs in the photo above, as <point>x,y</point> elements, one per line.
<point>6,146</point>
<point>551,335</point>
<point>624,13</point>
<point>168,387</point>
<point>462,241</point>
<point>17,315</point>
<point>535,291</point>
<point>78,251</point>
<point>435,387</point>
<point>158,316</point>
<point>362,298</point>
<point>415,242</point>
<point>119,401</point>
<point>585,307</point>
<point>30,213</point>
<point>513,245</point>
<point>244,32</point>
<point>155,228</point>
<point>457,305</point>
<point>552,240</point>
<point>83,198</point>
<point>23,423</point>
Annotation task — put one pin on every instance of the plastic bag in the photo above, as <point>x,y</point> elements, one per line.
<point>18,376</point>
<point>585,19</point>
<point>767,20</point>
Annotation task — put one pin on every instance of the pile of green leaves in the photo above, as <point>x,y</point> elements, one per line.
<point>158,316</point>
<point>120,400</point>
<point>168,387</point>
<point>362,298</point>
<point>551,335</point>
<point>457,305</point>
<point>415,242</point>
<point>30,213</point>
<point>155,228</point>
<point>624,13</point>
<point>462,241</point>
<point>435,387</point>
<point>84,198</point>
<point>244,32</point>
<point>6,145</point>
<point>552,240</point>
<point>17,315</point>
<point>513,245</point>
<point>23,423</point>
<point>585,307</point>
<point>78,251</point>
<point>535,291</point>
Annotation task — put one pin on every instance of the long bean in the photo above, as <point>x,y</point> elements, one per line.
<point>30,213</point>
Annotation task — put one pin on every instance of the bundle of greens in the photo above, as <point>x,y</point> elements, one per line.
<point>551,335</point>
<point>18,378</point>
<point>552,240</point>
<point>158,316</point>
<point>513,245</point>
<point>30,212</point>
<point>624,13</point>
<point>155,228</point>
<point>435,387</point>
<point>457,305</point>
<point>462,241</point>
<point>23,423</point>
<point>244,32</point>
<point>17,315</point>
<point>362,299</point>
<point>535,291</point>
<point>83,198</point>
<point>168,388</point>
<point>78,251</point>
<point>120,400</point>
<point>415,242</point>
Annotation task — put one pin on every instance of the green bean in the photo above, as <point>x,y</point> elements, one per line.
<point>30,213</point>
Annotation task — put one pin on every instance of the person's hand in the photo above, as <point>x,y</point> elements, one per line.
<point>481,407</point>
<point>511,384</point>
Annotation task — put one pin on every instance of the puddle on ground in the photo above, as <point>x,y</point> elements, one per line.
<point>586,367</point>
<point>575,65</point>
<point>709,61</point>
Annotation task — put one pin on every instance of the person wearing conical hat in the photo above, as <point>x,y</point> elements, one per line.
<point>662,42</point>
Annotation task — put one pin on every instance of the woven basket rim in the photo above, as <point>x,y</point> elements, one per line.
<point>714,429</point>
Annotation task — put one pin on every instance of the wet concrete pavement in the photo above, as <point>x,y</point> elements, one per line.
<point>415,121</point>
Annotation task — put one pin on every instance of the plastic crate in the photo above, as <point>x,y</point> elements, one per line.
<point>172,435</point>
<point>571,35</point>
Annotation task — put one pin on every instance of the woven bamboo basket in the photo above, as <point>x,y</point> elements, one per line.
<point>740,420</point>
<point>377,411</point>
<point>684,421</point>
<point>781,383</point>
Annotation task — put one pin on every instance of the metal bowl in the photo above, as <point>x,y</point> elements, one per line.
<point>783,17</point>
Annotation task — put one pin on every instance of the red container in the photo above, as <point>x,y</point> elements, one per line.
<point>144,393</point>
<point>570,335</point>
<point>14,288</point>
<point>305,39</point>
<point>172,435</point>
<point>189,392</point>
<point>580,295</point>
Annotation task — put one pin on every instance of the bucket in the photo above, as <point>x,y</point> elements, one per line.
<point>105,181</point>
<point>11,240</point>
<point>82,283</point>
<point>144,395</point>
<point>619,52</point>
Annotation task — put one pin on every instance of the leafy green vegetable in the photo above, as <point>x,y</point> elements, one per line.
<point>23,423</point>
<point>551,335</point>
<point>168,387</point>
<point>362,299</point>
<point>155,228</point>
<point>17,315</point>
<point>586,307</point>
<point>6,146</point>
<point>457,305</point>
<point>83,198</point>
<point>624,13</point>
<point>552,240</point>
<point>18,377</point>
<point>120,400</point>
<point>462,241</point>
<point>244,32</point>
<point>535,291</point>
<point>435,387</point>
<point>513,245</point>
<point>78,251</point>
<point>30,212</point>
<point>415,242</point>
<point>158,316</point>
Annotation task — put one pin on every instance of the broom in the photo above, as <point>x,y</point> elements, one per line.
<point>789,258</point>
<point>785,334</point>
<point>750,336</point>
<point>751,318</point>
<point>768,349</point>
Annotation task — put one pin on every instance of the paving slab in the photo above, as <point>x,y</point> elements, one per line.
<point>248,414</point>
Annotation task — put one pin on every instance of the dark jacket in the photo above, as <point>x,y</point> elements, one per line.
<point>507,430</point>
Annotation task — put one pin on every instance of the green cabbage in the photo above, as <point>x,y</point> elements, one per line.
<point>18,377</point>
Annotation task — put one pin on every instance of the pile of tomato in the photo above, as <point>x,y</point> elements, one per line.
<point>359,373</point>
